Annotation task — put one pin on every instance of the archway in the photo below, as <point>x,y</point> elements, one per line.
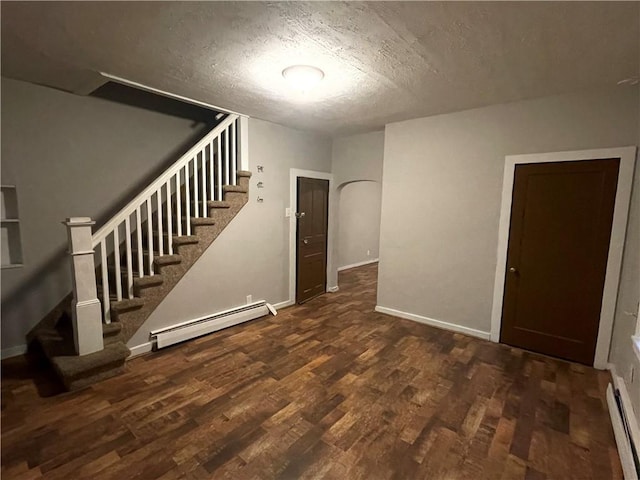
<point>357,223</point>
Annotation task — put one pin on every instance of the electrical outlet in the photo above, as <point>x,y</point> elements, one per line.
<point>249,298</point>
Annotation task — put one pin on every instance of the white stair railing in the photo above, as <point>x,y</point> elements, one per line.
<point>128,243</point>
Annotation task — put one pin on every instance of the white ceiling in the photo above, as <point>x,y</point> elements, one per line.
<point>383,61</point>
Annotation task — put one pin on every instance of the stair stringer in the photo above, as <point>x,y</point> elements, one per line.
<point>236,196</point>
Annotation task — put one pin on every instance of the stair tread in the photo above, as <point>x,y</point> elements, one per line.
<point>58,346</point>
<point>127,304</point>
<point>148,281</point>
<point>203,221</point>
<point>73,366</point>
<point>212,204</point>
<point>123,268</point>
<point>168,260</point>
<point>156,255</point>
<point>218,204</point>
<point>110,329</point>
<point>112,292</point>
<point>243,173</point>
<point>185,240</point>
<point>234,188</point>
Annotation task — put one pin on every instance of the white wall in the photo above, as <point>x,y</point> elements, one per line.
<point>622,355</point>
<point>359,223</point>
<point>71,156</point>
<point>441,193</point>
<point>251,256</point>
<point>357,157</point>
<point>354,158</point>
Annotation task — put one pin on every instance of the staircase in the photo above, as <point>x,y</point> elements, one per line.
<point>125,269</point>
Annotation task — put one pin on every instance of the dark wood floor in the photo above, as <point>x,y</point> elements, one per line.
<point>325,390</point>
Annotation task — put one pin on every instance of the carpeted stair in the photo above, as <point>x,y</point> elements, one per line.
<point>55,335</point>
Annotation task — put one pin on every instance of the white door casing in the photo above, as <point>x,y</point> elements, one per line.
<point>616,244</point>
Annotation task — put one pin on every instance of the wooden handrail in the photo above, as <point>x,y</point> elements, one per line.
<point>140,199</point>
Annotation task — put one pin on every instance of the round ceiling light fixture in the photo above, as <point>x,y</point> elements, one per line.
<point>303,77</point>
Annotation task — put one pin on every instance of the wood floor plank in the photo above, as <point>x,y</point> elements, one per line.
<point>329,389</point>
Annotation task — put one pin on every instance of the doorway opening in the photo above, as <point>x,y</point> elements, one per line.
<point>563,218</point>
<point>312,226</point>
<point>330,283</point>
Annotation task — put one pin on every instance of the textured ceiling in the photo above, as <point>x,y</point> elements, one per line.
<point>383,61</point>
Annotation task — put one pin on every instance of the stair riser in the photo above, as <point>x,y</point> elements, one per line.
<point>168,270</point>
<point>107,371</point>
<point>144,292</point>
<point>151,292</point>
<point>183,207</point>
<point>211,211</point>
<point>214,214</point>
<point>234,196</point>
<point>156,245</point>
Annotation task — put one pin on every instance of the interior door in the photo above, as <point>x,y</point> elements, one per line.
<point>311,238</point>
<point>561,218</point>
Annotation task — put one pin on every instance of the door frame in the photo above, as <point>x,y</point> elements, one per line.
<point>627,156</point>
<point>294,173</point>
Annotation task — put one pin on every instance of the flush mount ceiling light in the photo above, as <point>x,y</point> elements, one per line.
<point>303,77</point>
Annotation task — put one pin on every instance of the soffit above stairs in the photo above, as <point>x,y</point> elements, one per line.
<point>384,61</point>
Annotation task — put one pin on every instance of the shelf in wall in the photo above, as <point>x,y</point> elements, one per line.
<point>10,241</point>
<point>11,265</point>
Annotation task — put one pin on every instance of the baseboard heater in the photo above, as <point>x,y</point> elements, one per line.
<point>625,428</point>
<point>211,323</point>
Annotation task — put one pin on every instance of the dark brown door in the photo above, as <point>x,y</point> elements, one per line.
<point>311,251</point>
<point>561,219</point>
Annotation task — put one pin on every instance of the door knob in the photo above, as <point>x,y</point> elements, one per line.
<point>305,241</point>
<point>513,270</point>
<point>299,214</point>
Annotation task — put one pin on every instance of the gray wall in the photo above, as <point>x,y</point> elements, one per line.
<point>622,355</point>
<point>354,158</point>
<point>357,157</point>
<point>71,156</point>
<point>251,256</point>
<point>442,185</point>
<point>359,222</point>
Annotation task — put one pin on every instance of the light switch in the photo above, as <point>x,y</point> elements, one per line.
<point>287,212</point>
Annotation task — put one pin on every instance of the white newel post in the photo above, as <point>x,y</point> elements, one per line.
<point>244,143</point>
<point>86,310</point>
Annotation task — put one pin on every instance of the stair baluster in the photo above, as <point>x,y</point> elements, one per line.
<point>193,182</point>
<point>169,218</point>
<point>219,176</point>
<point>196,203</point>
<point>127,233</point>
<point>203,180</point>
<point>139,243</point>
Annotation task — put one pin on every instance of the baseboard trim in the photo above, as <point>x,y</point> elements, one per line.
<point>434,323</point>
<point>358,264</point>
<point>13,351</point>
<point>620,434</point>
<point>285,304</point>
<point>632,421</point>
<point>140,350</point>
<point>333,289</point>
